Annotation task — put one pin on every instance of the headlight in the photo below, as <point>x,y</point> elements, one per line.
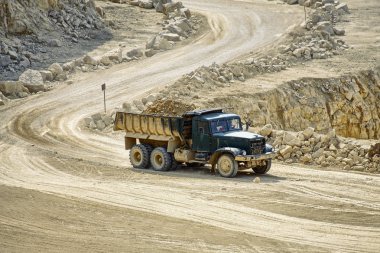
<point>243,152</point>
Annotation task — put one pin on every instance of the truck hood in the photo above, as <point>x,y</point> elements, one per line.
<point>238,134</point>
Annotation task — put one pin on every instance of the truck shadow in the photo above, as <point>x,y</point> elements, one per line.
<point>206,173</point>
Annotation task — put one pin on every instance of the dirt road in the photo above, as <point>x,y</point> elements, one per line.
<point>65,189</point>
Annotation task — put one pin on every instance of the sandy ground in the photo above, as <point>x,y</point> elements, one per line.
<point>66,189</point>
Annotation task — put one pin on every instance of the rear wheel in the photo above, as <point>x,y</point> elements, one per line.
<point>160,159</point>
<point>264,168</point>
<point>227,166</point>
<point>139,156</point>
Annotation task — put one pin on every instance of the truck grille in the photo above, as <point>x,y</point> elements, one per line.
<point>258,146</point>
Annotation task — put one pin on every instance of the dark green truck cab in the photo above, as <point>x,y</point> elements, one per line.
<point>198,137</point>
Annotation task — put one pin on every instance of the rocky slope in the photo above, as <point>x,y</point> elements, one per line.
<point>36,33</point>
<point>349,104</point>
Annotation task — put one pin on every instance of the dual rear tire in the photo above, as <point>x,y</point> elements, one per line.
<point>139,156</point>
<point>142,156</point>
<point>160,159</point>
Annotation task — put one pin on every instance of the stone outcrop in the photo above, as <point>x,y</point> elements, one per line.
<point>349,104</point>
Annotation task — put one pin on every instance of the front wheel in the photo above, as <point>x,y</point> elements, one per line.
<point>263,169</point>
<point>227,166</point>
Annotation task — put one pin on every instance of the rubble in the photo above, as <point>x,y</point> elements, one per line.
<point>327,150</point>
<point>99,121</point>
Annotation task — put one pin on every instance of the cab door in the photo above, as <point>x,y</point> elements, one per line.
<point>203,140</point>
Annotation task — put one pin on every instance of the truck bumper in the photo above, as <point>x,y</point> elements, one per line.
<point>250,158</point>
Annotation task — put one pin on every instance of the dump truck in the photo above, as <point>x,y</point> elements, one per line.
<point>196,138</point>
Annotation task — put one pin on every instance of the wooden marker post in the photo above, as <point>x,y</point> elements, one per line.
<point>104,92</point>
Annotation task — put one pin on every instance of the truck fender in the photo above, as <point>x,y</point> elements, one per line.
<point>233,151</point>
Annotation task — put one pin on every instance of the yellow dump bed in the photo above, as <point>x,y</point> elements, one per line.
<point>153,127</point>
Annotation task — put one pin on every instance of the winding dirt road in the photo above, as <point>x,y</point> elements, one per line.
<point>47,158</point>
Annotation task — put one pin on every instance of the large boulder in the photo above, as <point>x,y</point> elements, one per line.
<point>162,44</point>
<point>137,52</point>
<point>291,139</point>
<point>285,152</point>
<point>325,26</point>
<point>343,8</point>
<point>55,69</point>
<point>176,29</point>
<point>33,80</point>
<point>308,133</point>
<point>159,7</point>
<point>12,88</point>
<point>89,60</point>
<point>266,130</point>
<point>171,36</point>
<point>116,56</point>
<point>374,150</point>
<point>172,7</point>
<point>105,60</point>
<point>68,66</point>
<point>185,12</point>
<point>184,25</point>
<point>47,76</point>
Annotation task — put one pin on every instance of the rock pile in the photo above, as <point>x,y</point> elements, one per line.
<point>138,106</point>
<point>309,147</point>
<point>99,121</point>
<point>178,26</point>
<point>318,41</point>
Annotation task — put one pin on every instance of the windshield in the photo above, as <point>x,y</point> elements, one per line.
<point>225,125</point>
